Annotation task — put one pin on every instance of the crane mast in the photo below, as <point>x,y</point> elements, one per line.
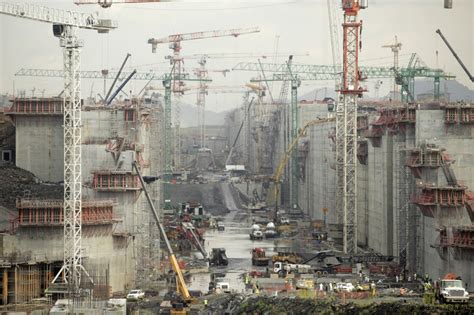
<point>346,124</point>
<point>65,25</point>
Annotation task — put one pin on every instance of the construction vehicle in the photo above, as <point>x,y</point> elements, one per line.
<point>218,257</point>
<point>282,268</point>
<point>270,231</point>
<point>287,257</point>
<point>256,235</point>
<point>281,167</point>
<point>216,277</point>
<point>451,290</point>
<point>183,298</point>
<point>259,258</point>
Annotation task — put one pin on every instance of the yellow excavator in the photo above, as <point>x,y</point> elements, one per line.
<point>181,287</point>
<point>281,167</point>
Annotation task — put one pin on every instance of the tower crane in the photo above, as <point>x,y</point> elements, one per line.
<point>395,47</point>
<point>346,123</point>
<point>65,25</point>
<point>176,61</point>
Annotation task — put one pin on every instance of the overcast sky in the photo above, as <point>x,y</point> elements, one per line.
<point>301,26</point>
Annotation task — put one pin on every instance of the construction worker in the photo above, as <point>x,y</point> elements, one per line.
<point>428,296</point>
<point>205,303</point>
<point>372,289</point>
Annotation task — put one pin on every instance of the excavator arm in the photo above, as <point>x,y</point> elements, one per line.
<point>180,283</point>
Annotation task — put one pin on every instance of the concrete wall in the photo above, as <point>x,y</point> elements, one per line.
<point>130,258</point>
<point>39,146</point>
<point>458,140</point>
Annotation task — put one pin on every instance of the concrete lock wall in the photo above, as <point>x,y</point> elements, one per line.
<point>110,244</point>
<point>39,146</point>
<point>458,140</point>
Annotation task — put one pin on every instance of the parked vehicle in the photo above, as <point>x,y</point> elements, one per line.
<point>282,268</point>
<point>256,235</point>
<point>218,257</point>
<point>451,290</point>
<point>223,286</point>
<point>216,277</point>
<point>287,257</point>
<point>305,284</point>
<point>259,258</point>
<point>270,233</point>
<point>284,220</point>
<point>344,287</point>
<point>220,226</point>
<point>135,295</point>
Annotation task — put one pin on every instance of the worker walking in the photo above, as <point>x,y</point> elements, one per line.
<point>205,303</point>
<point>372,289</point>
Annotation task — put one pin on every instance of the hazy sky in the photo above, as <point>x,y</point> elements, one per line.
<point>301,26</point>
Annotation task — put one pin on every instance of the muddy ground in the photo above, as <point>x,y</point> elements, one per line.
<point>239,304</point>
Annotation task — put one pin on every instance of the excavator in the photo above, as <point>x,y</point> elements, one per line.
<point>179,306</point>
<point>281,167</point>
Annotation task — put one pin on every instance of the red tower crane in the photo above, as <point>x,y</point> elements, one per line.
<point>346,125</point>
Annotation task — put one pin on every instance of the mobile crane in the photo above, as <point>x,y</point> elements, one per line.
<point>286,157</point>
<point>181,287</point>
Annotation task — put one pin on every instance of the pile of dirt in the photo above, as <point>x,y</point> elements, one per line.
<point>19,183</point>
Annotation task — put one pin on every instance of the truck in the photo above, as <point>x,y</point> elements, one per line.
<point>259,258</point>
<point>451,290</point>
<point>291,258</point>
<point>216,277</point>
<point>256,235</point>
<point>218,257</point>
<point>282,268</point>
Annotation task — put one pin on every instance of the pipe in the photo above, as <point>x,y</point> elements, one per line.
<point>455,55</point>
<point>121,87</point>
<point>117,76</point>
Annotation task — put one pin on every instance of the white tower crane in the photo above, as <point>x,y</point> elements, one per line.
<point>65,25</point>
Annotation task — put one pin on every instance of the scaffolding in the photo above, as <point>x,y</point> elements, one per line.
<point>36,213</point>
<point>22,282</point>
<point>432,197</point>
<point>459,113</point>
<point>393,120</point>
<point>37,106</point>
<point>113,181</point>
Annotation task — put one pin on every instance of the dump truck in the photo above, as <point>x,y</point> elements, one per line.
<point>218,257</point>
<point>451,290</point>
<point>259,258</point>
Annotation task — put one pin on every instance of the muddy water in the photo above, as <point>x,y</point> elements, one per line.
<point>235,239</point>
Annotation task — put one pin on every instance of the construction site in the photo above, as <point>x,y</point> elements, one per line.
<point>236,170</point>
